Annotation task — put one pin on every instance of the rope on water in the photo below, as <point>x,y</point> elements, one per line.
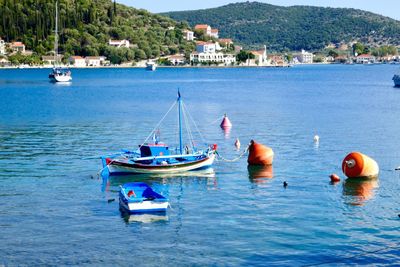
<point>235,159</point>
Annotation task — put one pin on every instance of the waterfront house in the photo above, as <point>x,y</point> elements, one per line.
<point>278,60</point>
<point>17,47</point>
<point>4,62</point>
<point>49,60</point>
<point>212,57</point>
<point>365,59</point>
<point>188,35</point>
<point>119,43</point>
<point>205,47</point>
<point>260,57</point>
<point>77,61</point>
<point>204,28</point>
<point>305,57</point>
<point>94,61</point>
<point>2,47</point>
<point>176,59</point>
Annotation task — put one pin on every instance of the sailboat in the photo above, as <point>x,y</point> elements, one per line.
<point>58,74</point>
<point>157,158</point>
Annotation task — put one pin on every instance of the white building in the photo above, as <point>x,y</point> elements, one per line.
<point>119,43</point>
<point>77,61</point>
<point>49,60</point>
<point>18,47</point>
<point>305,57</point>
<point>205,47</point>
<point>188,35</point>
<point>176,60</point>
<point>221,58</point>
<point>94,61</point>
<point>2,47</point>
<point>214,33</point>
<point>260,56</point>
<point>204,28</point>
<point>365,59</point>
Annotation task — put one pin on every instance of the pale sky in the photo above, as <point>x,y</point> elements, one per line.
<point>388,8</point>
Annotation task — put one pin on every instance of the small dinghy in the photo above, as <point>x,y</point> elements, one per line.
<point>140,198</point>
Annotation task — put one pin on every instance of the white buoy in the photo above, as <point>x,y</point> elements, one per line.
<point>316,139</point>
<point>237,143</point>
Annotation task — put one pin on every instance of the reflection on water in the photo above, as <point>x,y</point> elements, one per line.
<point>260,174</point>
<point>359,190</point>
<point>227,131</point>
<point>143,218</point>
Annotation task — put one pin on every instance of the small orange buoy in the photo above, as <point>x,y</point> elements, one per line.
<point>260,154</point>
<point>334,178</point>
<point>357,165</point>
<point>237,143</point>
<point>226,123</point>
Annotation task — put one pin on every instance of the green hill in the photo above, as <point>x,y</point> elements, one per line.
<point>86,26</point>
<point>295,27</point>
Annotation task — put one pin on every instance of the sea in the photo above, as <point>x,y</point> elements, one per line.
<point>58,208</point>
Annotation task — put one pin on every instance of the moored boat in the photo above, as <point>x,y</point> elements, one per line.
<point>158,158</point>
<point>151,66</point>
<point>396,80</point>
<point>141,198</point>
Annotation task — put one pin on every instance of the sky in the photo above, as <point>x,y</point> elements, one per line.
<point>389,8</point>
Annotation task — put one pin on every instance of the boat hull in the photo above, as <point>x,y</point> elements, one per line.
<point>396,80</point>
<point>60,78</point>
<point>144,206</point>
<point>127,168</point>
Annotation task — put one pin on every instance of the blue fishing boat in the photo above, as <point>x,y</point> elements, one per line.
<point>140,198</point>
<point>158,158</point>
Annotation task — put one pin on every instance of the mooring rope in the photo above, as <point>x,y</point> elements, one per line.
<point>235,159</point>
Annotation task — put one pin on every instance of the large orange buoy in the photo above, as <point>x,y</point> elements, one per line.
<point>226,123</point>
<point>356,165</point>
<point>260,154</point>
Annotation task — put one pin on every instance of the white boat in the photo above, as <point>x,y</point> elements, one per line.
<point>396,80</point>
<point>58,74</point>
<point>151,66</point>
<point>158,158</point>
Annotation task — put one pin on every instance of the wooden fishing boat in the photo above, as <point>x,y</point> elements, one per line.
<point>140,198</point>
<point>157,158</point>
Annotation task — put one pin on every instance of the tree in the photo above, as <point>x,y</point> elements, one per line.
<point>244,55</point>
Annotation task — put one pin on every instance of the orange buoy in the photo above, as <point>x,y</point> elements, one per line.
<point>334,178</point>
<point>237,143</point>
<point>226,123</point>
<point>357,165</point>
<point>260,154</point>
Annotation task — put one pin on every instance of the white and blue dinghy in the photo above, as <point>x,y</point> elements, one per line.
<point>138,197</point>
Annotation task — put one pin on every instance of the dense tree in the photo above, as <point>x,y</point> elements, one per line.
<point>85,26</point>
<point>294,28</point>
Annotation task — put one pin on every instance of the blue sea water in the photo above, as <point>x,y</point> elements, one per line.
<point>56,210</point>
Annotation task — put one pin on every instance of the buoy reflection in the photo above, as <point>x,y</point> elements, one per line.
<point>260,174</point>
<point>359,190</point>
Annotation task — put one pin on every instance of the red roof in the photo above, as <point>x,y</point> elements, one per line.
<point>201,26</point>
<point>214,30</point>
<point>17,44</point>
<point>76,57</point>
<point>227,40</point>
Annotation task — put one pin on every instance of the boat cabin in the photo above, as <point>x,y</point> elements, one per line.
<point>153,150</point>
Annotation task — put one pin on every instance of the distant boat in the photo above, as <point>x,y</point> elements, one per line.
<point>140,198</point>
<point>58,74</point>
<point>156,157</point>
<point>151,66</point>
<point>396,80</point>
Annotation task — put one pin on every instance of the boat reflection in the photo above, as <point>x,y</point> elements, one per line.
<point>260,174</point>
<point>359,190</point>
<point>201,176</point>
<point>143,218</point>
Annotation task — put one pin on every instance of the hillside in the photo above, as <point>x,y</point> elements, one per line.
<point>295,27</point>
<point>86,26</point>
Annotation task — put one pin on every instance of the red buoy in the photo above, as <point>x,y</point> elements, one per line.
<point>334,178</point>
<point>226,123</point>
<point>357,165</point>
<point>260,154</point>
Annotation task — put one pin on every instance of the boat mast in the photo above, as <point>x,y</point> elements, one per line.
<point>56,37</point>
<point>180,122</point>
